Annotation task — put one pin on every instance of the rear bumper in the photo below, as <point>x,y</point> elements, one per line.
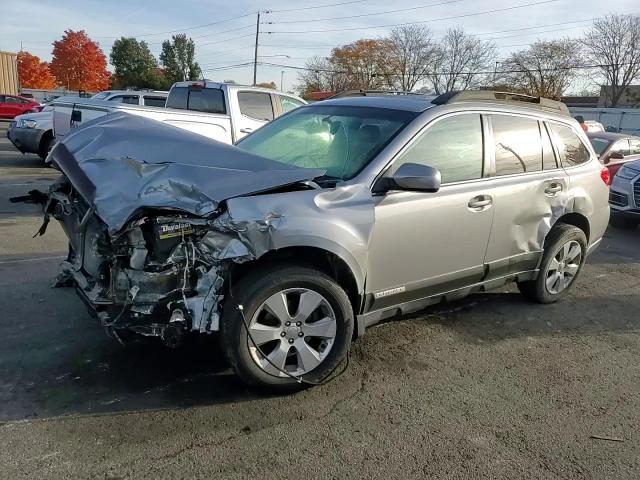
<point>27,140</point>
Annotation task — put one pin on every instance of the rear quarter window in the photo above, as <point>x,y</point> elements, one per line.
<point>572,151</point>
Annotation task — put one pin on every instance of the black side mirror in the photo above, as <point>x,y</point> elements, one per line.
<point>614,156</point>
<point>412,177</point>
<point>76,116</point>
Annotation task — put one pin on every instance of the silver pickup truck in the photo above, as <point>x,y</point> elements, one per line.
<point>215,110</point>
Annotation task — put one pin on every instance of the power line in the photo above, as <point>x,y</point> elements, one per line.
<point>532,28</point>
<point>225,40</point>
<point>189,28</point>
<point>488,72</point>
<point>448,2</point>
<point>317,6</point>
<point>497,10</point>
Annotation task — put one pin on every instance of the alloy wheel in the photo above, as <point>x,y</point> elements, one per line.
<point>294,331</point>
<point>563,267</point>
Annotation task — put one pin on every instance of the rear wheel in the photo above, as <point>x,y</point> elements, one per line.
<point>564,254</point>
<point>300,326</point>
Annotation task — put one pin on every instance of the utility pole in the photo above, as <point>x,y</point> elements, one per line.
<point>255,53</point>
<point>282,80</point>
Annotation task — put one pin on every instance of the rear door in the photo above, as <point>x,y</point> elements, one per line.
<point>256,109</point>
<point>528,183</point>
<point>4,111</point>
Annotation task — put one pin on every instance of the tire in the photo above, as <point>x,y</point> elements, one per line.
<point>624,222</point>
<point>545,289</point>
<point>45,147</point>
<point>257,289</point>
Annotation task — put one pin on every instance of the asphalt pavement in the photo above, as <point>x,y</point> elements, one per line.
<point>488,387</point>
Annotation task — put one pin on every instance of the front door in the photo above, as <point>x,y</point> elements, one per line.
<point>428,243</point>
<point>256,109</point>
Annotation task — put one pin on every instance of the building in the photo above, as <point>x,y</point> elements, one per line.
<point>629,99</point>
<point>9,73</point>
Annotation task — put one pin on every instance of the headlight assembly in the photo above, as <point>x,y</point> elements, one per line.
<point>27,123</point>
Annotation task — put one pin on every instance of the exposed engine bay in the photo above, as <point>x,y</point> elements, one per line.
<point>160,276</point>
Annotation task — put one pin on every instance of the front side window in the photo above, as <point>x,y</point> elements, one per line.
<point>634,146</point>
<point>341,140</point>
<point>518,145</point>
<point>12,100</point>
<point>256,105</point>
<point>572,150</point>
<point>453,145</point>
<point>289,103</point>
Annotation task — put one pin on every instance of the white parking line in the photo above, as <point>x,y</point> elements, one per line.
<point>22,260</point>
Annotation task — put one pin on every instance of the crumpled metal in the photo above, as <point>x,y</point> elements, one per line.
<point>122,163</point>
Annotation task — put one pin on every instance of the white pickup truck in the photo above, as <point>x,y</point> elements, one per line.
<point>219,111</point>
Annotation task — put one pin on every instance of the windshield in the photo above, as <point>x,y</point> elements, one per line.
<point>101,95</point>
<point>340,140</point>
<point>599,144</point>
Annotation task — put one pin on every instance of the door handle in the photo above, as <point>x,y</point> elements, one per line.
<point>480,203</point>
<point>246,130</point>
<point>552,189</point>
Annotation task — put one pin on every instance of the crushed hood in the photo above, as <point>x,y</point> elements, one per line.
<point>122,163</point>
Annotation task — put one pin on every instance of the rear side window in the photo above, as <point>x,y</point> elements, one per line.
<point>289,103</point>
<point>622,147</point>
<point>572,150</point>
<point>209,100</point>
<point>518,145</point>
<point>256,105</point>
<point>453,145</point>
<point>154,101</point>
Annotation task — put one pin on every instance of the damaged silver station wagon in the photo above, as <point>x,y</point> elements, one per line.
<point>327,220</point>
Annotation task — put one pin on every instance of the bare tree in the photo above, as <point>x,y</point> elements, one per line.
<point>613,43</point>
<point>545,69</point>
<point>409,53</point>
<point>461,58</point>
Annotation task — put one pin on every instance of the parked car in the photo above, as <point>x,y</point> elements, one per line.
<point>33,132</point>
<point>147,98</point>
<point>12,105</point>
<point>326,220</point>
<point>615,149</point>
<point>624,197</point>
<point>216,110</point>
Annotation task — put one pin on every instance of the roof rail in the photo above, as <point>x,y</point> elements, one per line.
<point>541,103</point>
<point>372,93</point>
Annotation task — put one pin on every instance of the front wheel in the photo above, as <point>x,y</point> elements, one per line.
<point>564,254</point>
<point>300,327</point>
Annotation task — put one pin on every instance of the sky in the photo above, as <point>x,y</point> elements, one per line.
<point>293,30</point>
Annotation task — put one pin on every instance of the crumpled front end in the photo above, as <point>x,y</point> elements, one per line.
<point>160,276</point>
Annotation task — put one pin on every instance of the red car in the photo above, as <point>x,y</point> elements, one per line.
<point>12,105</point>
<point>615,149</point>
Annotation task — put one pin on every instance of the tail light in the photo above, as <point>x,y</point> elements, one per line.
<point>605,175</point>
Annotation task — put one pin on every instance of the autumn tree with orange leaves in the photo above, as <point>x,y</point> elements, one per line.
<point>79,63</point>
<point>33,73</point>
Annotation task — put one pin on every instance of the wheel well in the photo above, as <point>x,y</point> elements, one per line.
<point>577,220</point>
<point>323,260</point>
<point>45,136</point>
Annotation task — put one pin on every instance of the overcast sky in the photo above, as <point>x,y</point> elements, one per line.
<point>36,23</point>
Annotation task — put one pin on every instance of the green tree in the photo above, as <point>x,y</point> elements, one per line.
<point>178,59</point>
<point>135,65</point>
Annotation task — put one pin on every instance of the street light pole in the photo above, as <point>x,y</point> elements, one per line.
<point>255,53</point>
<point>282,81</point>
